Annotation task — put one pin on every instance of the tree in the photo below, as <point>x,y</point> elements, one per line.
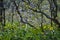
<point>35,7</point>
<point>2,13</point>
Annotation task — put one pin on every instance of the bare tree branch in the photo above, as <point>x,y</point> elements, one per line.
<point>21,15</point>
<point>53,19</point>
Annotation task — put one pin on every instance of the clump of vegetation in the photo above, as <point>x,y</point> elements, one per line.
<point>25,32</point>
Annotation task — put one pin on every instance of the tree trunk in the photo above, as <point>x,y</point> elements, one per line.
<point>2,13</point>
<point>1,5</point>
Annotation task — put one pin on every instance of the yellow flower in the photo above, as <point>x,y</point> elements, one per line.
<point>23,26</point>
<point>51,28</point>
<point>44,27</point>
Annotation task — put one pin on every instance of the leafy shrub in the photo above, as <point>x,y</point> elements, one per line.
<point>25,32</point>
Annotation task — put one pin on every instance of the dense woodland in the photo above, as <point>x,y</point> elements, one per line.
<point>29,19</point>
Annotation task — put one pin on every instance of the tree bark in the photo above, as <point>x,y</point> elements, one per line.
<point>2,13</point>
<point>1,7</point>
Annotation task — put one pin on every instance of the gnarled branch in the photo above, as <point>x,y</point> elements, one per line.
<point>21,15</point>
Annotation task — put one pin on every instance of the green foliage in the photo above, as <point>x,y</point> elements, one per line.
<point>17,31</point>
<point>25,32</point>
